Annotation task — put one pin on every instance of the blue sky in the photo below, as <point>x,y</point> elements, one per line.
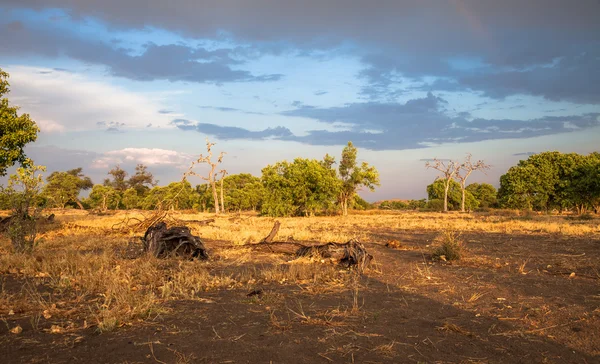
<point>132,81</point>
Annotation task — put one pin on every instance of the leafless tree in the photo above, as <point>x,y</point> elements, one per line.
<point>223,173</point>
<point>449,170</point>
<point>465,170</point>
<point>211,178</point>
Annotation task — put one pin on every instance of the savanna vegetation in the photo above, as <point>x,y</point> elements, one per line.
<point>502,282</point>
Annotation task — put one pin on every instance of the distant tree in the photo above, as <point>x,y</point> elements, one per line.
<point>353,176</point>
<point>302,187</point>
<point>437,191</point>
<point>484,193</point>
<point>118,180</point>
<point>542,182</point>
<point>180,195</point>
<point>63,188</point>
<point>103,197</point>
<point>243,192</point>
<point>585,184</point>
<point>155,198</point>
<point>142,180</point>
<point>211,176</point>
<point>204,197</point>
<point>15,130</point>
<point>449,169</point>
<point>464,171</point>
<point>131,199</point>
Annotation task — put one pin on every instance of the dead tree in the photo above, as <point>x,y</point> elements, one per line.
<point>465,171</point>
<point>223,173</point>
<point>162,242</point>
<point>449,170</point>
<point>211,178</point>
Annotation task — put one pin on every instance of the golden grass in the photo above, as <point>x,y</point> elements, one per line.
<point>80,260</point>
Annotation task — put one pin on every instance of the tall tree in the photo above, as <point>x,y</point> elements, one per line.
<point>119,179</point>
<point>211,177</point>
<point>142,180</point>
<point>64,187</point>
<point>449,169</point>
<point>353,176</point>
<point>15,130</point>
<point>465,170</point>
<point>485,193</point>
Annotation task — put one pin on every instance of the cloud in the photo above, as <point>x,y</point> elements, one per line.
<point>417,123</point>
<point>524,154</point>
<point>63,101</point>
<point>148,156</point>
<point>173,62</point>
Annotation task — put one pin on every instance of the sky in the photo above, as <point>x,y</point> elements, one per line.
<point>147,81</point>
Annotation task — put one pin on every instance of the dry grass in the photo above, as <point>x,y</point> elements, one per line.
<point>79,269</point>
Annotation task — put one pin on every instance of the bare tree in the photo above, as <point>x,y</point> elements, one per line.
<point>465,171</point>
<point>211,178</point>
<point>223,172</point>
<point>449,170</point>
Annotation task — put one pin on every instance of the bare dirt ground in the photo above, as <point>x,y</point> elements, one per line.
<point>527,291</point>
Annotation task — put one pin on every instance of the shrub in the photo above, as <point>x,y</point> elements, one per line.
<point>22,196</point>
<point>449,247</point>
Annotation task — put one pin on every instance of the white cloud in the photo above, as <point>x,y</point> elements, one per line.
<point>147,156</point>
<point>62,101</point>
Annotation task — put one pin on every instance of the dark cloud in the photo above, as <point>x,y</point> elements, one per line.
<point>173,62</point>
<point>230,132</point>
<point>321,93</point>
<point>230,109</point>
<point>545,48</point>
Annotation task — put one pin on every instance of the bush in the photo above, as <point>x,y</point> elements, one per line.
<point>435,205</point>
<point>449,247</point>
<point>23,199</point>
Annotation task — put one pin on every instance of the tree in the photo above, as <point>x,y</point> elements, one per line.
<point>465,170</point>
<point>449,170</point>
<point>223,174</point>
<point>104,197</point>
<point>437,190</point>
<point>302,187</point>
<point>23,197</point>
<point>211,177</point>
<point>130,199</point>
<point>354,176</point>
<point>15,130</point>
<point>64,187</point>
<point>142,180</point>
<point>243,192</point>
<point>484,193</point>
<point>118,182</point>
<point>204,197</point>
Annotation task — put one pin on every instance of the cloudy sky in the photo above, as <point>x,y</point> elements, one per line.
<point>146,81</point>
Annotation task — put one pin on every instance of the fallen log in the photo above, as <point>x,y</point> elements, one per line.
<point>162,242</point>
<point>349,254</point>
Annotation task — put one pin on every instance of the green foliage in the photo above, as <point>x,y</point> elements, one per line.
<point>393,205</point>
<point>204,198</point>
<point>130,199</point>
<point>103,198</point>
<point>243,192</point>
<point>550,180</point>
<point>15,130</point>
<point>63,188</point>
<point>435,204</point>
<point>359,203</point>
<point>435,191</point>
<point>23,196</point>
<point>484,193</point>
<point>352,175</point>
<point>303,187</point>
<point>142,180</point>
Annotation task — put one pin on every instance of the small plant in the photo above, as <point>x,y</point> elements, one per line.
<point>23,198</point>
<point>449,247</point>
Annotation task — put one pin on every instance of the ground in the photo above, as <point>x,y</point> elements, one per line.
<point>526,290</point>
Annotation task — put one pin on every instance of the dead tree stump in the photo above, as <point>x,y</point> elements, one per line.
<point>162,242</point>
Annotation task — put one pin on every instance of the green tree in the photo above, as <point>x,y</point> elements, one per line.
<point>142,180</point>
<point>449,170</point>
<point>130,199</point>
<point>303,187</point>
<point>104,197</point>
<point>23,196</point>
<point>15,130</point>
<point>118,179</point>
<point>465,170</point>
<point>204,197</point>
<point>354,176</point>
<point>437,191</point>
<point>484,193</point>
<point>243,192</point>
<point>63,188</point>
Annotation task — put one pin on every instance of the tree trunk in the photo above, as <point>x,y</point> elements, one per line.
<point>447,187</point>
<point>79,204</point>
<point>104,203</point>
<point>462,201</point>
<point>222,201</point>
<point>215,195</point>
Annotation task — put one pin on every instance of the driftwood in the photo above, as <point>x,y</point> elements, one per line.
<point>349,254</point>
<point>161,242</point>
